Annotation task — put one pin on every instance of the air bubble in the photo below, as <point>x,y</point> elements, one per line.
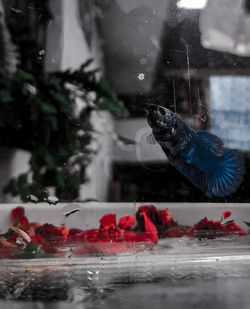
<point>143,61</point>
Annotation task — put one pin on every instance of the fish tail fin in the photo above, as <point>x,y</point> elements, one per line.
<point>228,175</point>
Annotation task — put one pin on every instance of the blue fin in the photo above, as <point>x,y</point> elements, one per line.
<point>193,174</point>
<point>212,142</point>
<point>225,180</point>
<point>229,175</point>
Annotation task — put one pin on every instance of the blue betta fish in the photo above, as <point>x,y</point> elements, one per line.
<point>200,156</point>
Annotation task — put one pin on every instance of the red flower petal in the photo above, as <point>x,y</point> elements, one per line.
<point>207,229</point>
<point>23,220</point>
<point>17,213</point>
<point>227,214</point>
<point>130,236</point>
<point>151,233</point>
<point>110,232</point>
<point>77,235</point>
<point>160,218</point>
<point>37,239</point>
<point>167,218</point>
<point>233,228</point>
<point>126,222</point>
<point>152,214</point>
<point>108,219</point>
<point>12,238</point>
<point>91,235</point>
<point>51,232</point>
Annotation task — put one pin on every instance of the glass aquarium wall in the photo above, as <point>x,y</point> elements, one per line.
<point>81,83</point>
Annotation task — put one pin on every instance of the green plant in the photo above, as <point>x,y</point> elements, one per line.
<point>38,113</point>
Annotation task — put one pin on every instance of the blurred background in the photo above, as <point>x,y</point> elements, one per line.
<point>75,74</point>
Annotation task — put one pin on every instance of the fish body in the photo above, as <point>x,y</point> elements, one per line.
<point>200,156</point>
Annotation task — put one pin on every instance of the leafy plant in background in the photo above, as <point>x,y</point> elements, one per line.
<point>38,114</point>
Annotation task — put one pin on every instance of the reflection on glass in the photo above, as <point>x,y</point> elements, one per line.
<point>65,129</point>
<point>230,110</point>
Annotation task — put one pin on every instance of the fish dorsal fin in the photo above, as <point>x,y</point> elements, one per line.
<point>151,139</point>
<point>212,141</point>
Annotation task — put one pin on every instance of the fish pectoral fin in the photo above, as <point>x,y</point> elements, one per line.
<point>151,139</point>
<point>212,142</point>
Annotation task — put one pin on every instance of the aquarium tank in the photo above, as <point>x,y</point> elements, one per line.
<point>124,147</point>
<point>77,82</point>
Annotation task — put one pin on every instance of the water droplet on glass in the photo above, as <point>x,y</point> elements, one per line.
<point>16,10</point>
<point>141,76</point>
<point>70,209</point>
<point>32,198</point>
<point>203,118</point>
<point>41,52</point>
<point>143,61</point>
<point>52,200</point>
<point>20,242</point>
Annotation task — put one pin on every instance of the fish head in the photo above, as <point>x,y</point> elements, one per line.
<point>161,119</point>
